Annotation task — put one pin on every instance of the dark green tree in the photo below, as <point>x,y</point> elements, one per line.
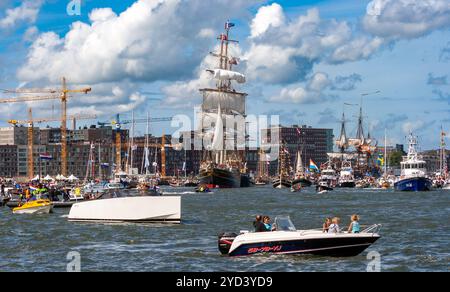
<point>395,158</point>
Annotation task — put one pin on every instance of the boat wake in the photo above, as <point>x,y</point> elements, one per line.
<point>182,193</point>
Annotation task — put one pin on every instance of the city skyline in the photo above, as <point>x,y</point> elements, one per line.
<point>303,61</point>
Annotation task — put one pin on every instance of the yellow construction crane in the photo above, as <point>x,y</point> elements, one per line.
<point>30,122</point>
<point>62,94</point>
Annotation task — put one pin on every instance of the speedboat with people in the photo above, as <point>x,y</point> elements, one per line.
<point>413,171</point>
<point>34,207</point>
<point>286,239</point>
<point>122,207</point>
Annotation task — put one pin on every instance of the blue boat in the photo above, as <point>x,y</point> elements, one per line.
<point>419,184</point>
<point>414,173</point>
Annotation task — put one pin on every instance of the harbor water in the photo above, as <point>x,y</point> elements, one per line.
<point>415,235</point>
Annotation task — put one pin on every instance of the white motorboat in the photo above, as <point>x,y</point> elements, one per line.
<point>413,171</point>
<point>346,177</point>
<point>328,177</point>
<point>288,240</point>
<point>133,209</point>
<point>114,186</point>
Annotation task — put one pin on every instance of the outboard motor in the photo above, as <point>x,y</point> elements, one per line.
<point>225,241</point>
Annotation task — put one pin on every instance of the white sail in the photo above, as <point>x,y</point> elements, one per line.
<point>234,103</point>
<point>223,75</point>
<point>299,167</point>
<point>217,143</point>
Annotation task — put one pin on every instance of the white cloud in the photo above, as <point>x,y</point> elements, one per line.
<point>409,127</point>
<point>31,34</point>
<point>312,92</point>
<point>152,40</point>
<point>286,52</point>
<point>400,19</point>
<point>267,16</point>
<point>27,12</point>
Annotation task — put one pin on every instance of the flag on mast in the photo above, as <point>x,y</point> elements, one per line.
<point>229,25</point>
<point>313,166</point>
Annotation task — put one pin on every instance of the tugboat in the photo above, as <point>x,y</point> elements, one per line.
<point>223,168</point>
<point>413,171</point>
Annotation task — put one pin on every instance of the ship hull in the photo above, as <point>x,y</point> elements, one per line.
<point>418,184</point>
<point>303,182</point>
<point>246,181</point>
<point>282,184</point>
<point>347,184</point>
<point>220,178</point>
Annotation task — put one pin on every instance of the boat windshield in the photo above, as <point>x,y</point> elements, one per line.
<point>284,223</point>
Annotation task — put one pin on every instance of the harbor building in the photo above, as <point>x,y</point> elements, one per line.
<point>17,135</point>
<point>433,161</point>
<point>313,143</point>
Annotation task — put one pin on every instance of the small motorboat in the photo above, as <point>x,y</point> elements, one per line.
<point>4,200</point>
<point>203,189</point>
<point>323,187</point>
<point>296,188</point>
<point>288,240</point>
<point>35,207</point>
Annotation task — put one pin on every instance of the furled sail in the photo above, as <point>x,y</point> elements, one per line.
<point>224,75</point>
<point>299,167</point>
<point>217,143</point>
<point>232,102</point>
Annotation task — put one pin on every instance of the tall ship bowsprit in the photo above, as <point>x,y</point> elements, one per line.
<point>222,167</point>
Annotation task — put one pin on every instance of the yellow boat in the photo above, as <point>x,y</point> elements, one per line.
<point>35,207</point>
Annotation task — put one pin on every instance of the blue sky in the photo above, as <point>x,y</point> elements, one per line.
<point>320,54</point>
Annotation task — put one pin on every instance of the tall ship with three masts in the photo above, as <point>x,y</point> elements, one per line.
<point>223,165</point>
<point>358,161</point>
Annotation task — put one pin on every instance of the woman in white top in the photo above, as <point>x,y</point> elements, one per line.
<point>334,227</point>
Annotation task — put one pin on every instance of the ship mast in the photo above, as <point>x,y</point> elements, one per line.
<point>442,158</point>
<point>342,143</point>
<point>223,100</point>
